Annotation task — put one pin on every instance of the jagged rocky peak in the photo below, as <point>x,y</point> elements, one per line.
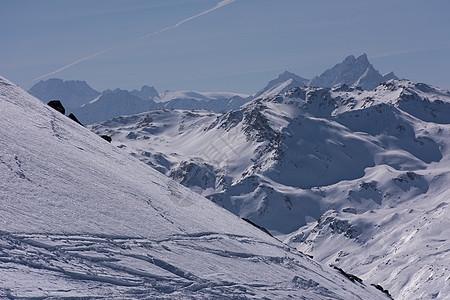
<point>363,59</point>
<point>146,92</point>
<point>353,72</point>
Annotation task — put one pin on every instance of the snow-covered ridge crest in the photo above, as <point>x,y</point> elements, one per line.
<point>81,218</point>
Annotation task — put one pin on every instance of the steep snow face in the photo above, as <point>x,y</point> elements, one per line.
<point>284,82</point>
<point>110,104</point>
<point>353,72</point>
<point>72,93</point>
<point>321,168</point>
<point>80,218</point>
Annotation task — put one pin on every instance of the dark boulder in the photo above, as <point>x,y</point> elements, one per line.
<point>72,116</point>
<point>106,138</point>
<point>57,105</point>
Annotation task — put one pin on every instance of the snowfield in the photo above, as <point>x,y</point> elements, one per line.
<point>356,178</point>
<point>80,217</point>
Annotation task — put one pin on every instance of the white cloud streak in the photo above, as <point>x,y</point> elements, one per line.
<point>73,63</point>
<point>219,5</point>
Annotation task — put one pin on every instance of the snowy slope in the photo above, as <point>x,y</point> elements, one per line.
<point>344,174</point>
<point>80,218</point>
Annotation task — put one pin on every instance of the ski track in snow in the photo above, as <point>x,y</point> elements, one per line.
<point>132,266</point>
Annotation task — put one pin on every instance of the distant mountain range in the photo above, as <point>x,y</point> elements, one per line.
<point>91,106</point>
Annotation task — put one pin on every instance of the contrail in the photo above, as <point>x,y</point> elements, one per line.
<point>74,63</point>
<point>219,5</point>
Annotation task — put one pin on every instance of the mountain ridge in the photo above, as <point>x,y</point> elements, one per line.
<point>352,71</point>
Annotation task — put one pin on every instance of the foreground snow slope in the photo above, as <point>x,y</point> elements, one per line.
<point>343,174</point>
<point>79,218</point>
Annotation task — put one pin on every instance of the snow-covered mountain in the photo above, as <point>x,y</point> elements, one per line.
<point>72,93</point>
<point>357,178</point>
<point>353,72</point>
<point>90,106</point>
<point>284,82</point>
<point>82,219</point>
<point>110,104</point>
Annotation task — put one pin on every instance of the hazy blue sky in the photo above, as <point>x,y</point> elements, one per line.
<point>236,47</point>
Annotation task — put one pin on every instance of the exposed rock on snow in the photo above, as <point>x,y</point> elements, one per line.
<point>56,104</point>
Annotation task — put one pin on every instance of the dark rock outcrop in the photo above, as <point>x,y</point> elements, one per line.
<point>57,105</point>
<point>72,116</point>
<point>106,138</point>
